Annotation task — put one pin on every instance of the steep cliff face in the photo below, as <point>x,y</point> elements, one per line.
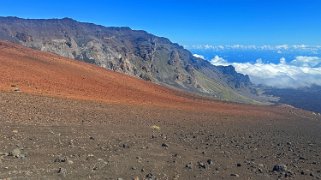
<point>133,52</point>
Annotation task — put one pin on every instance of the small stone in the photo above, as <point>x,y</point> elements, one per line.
<point>288,173</point>
<point>70,162</point>
<point>210,162</point>
<point>16,89</point>
<point>235,175</point>
<point>189,165</point>
<point>279,168</point>
<point>289,143</point>
<point>126,146</point>
<point>15,131</point>
<point>201,165</point>
<point>22,156</point>
<point>136,178</point>
<point>16,153</point>
<point>90,157</point>
<point>150,176</point>
<point>175,155</point>
<point>120,179</point>
<point>155,127</point>
<point>260,170</point>
<point>62,171</point>
<point>60,159</point>
<point>165,145</point>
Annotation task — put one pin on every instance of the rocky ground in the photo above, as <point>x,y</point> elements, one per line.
<point>65,119</point>
<point>52,138</point>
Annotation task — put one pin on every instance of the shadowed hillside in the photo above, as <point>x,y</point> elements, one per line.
<point>136,53</point>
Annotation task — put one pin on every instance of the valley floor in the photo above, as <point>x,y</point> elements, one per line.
<point>50,138</point>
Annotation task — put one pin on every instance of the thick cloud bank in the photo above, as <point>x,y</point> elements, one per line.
<point>303,71</point>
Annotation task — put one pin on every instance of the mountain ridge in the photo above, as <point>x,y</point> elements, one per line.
<point>133,52</point>
<point>46,74</point>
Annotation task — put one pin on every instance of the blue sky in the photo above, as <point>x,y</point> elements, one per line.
<point>191,22</point>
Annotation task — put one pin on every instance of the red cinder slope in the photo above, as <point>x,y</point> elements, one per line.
<point>47,74</point>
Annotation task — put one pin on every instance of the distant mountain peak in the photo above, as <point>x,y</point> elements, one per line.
<point>133,52</point>
<point>67,19</point>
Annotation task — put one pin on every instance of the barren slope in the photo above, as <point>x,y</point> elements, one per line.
<point>42,73</point>
<point>77,121</point>
<point>133,52</point>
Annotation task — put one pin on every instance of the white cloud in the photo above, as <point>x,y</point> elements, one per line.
<point>278,48</point>
<point>303,71</point>
<point>283,46</point>
<point>282,61</point>
<point>300,46</point>
<point>259,61</point>
<point>198,56</point>
<point>306,61</point>
<point>219,61</point>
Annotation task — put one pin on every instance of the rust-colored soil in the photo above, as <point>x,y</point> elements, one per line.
<point>42,73</point>
<point>61,118</point>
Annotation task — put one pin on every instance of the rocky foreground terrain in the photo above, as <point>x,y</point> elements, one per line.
<point>63,119</point>
<point>52,138</point>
